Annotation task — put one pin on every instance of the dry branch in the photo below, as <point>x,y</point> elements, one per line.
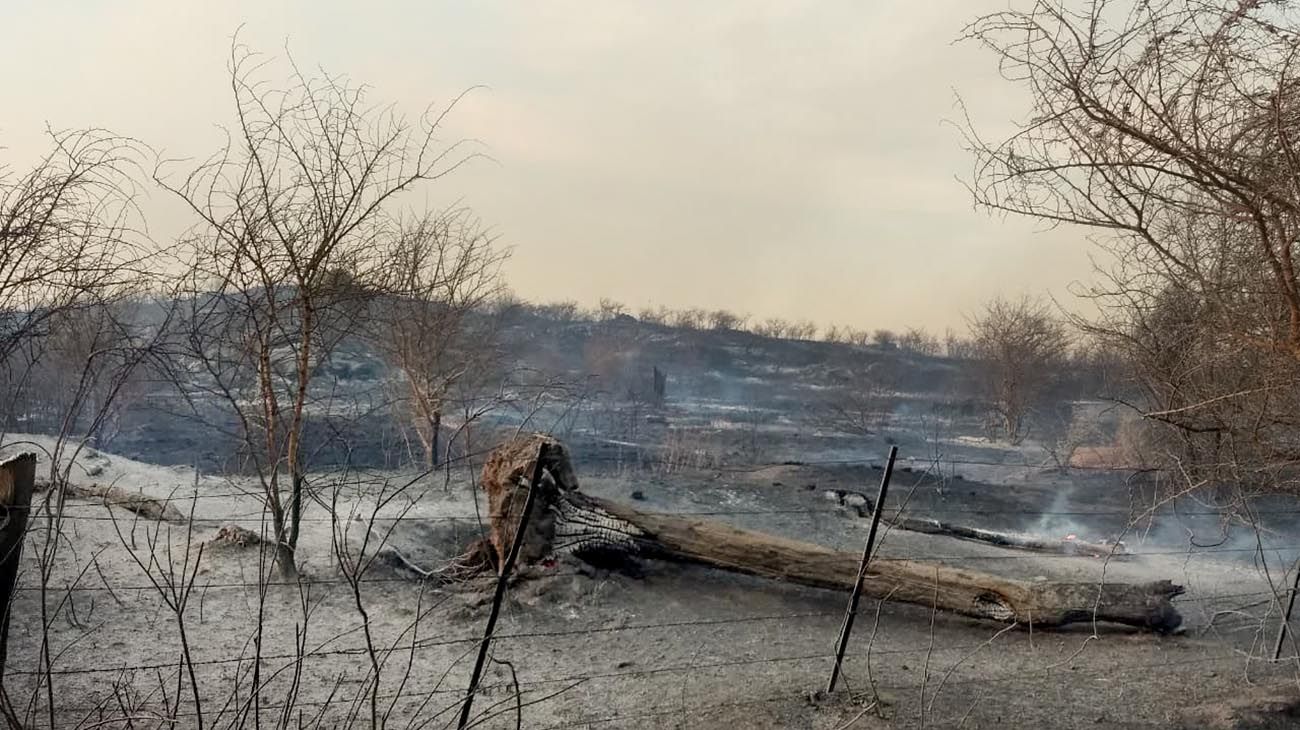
<point>570,521</point>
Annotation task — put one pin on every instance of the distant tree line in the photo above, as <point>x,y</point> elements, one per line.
<point>915,340</point>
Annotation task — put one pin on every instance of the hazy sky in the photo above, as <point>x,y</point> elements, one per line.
<point>777,158</point>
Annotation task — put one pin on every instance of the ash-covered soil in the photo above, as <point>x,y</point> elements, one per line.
<point>656,646</point>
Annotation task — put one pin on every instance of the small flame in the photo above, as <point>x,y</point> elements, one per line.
<point>1071,536</point>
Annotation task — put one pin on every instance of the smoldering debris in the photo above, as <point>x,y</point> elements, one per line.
<point>1066,540</point>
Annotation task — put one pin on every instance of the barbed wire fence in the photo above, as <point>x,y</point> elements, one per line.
<point>345,676</point>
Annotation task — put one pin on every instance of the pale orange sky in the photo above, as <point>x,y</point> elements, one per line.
<point>782,159</point>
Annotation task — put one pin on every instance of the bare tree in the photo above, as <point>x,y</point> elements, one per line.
<point>622,384</point>
<point>775,327</point>
<point>861,338</point>
<point>433,321</point>
<point>691,318</point>
<point>69,236</point>
<point>291,216</point>
<point>89,367</point>
<point>724,320</point>
<point>654,315</point>
<point>565,311</point>
<point>863,404</point>
<point>957,347</point>
<point>609,309</point>
<point>803,330</point>
<point>1171,128</point>
<point>1020,346</point>
<point>71,247</point>
<point>846,335</point>
<point>917,340</point>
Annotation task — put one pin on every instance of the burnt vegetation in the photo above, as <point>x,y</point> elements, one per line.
<point>322,397</point>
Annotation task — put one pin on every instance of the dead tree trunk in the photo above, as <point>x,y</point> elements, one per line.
<point>435,442</point>
<point>17,481</point>
<point>567,520</point>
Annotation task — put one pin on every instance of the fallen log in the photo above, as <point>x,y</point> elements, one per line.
<point>110,496</point>
<point>566,520</point>
<point>1064,546</point>
<point>1068,545</point>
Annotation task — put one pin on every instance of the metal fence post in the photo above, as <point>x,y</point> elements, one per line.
<point>502,579</point>
<point>847,627</point>
<point>1286,617</point>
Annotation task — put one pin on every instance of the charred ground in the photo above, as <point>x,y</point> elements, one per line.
<point>740,438</point>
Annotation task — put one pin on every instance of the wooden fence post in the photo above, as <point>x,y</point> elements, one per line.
<point>17,481</point>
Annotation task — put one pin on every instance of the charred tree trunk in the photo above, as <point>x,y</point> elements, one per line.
<point>434,441</point>
<point>17,481</point>
<point>1063,546</point>
<point>567,520</point>
<point>428,426</point>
